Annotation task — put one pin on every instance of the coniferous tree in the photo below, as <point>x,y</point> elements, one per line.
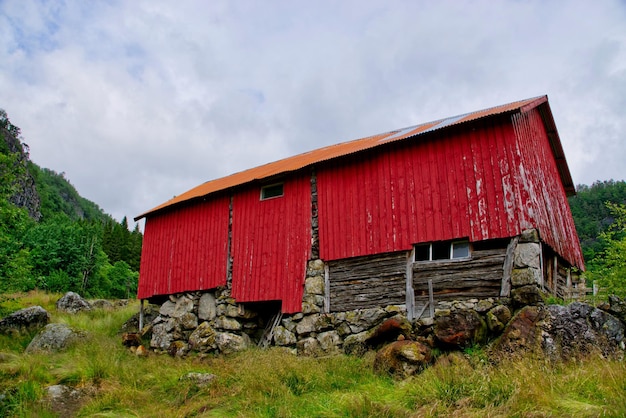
<point>134,253</point>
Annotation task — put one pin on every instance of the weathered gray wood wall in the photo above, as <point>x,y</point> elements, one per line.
<point>478,277</point>
<point>367,282</point>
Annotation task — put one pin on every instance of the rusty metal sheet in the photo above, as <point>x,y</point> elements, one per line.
<point>334,151</point>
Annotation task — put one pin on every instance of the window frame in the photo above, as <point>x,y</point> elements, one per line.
<point>270,186</point>
<point>450,244</point>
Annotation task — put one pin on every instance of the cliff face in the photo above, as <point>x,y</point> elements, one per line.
<point>26,195</point>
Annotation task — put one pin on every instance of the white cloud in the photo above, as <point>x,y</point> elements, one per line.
<point>139,101</point>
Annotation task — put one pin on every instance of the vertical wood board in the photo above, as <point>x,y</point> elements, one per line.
<point>271,244</point>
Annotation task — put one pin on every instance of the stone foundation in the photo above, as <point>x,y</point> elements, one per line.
<point>213,322</point>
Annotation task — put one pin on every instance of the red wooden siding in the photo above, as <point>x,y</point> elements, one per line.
<point>546,207</point>
<point>491,177</point>
<point>185,250</point>
<point>435,188</point>
<point>475,183</point>
<point>271,241</point>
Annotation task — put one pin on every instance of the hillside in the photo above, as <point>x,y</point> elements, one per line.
<point>43,192</point>
<point>53,238</point>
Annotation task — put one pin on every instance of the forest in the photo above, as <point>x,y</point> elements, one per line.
<point>53,239</point>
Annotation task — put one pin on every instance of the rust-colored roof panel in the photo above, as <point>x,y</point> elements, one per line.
<point>338,150</point>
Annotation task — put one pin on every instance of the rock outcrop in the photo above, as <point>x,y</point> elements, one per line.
<point>54,337</point>
<point>460,329</point>
<point>34,317</point>
<point>563,332</point>
<point>25,195</point>
<point>72,303</point>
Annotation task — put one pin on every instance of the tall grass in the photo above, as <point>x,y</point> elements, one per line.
<point>275,383</point>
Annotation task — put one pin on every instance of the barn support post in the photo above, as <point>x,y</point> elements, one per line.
<point>568,285</point>
<point>141,315</point>
<point>505,289</point>
<point>326,289</point>
<point>410,293</point>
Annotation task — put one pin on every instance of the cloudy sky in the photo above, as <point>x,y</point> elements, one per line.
<point>138,101</point>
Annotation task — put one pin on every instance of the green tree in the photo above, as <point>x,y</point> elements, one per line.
<point>122,280</point>
<point>69,251</point>
<point>608,268</point>
<point>134,248</point>
<point>591,214</point>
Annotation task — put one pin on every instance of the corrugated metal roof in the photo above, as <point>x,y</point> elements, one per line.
<point>334,151</point>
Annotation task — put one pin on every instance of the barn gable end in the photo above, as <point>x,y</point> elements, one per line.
<point>185,250</point>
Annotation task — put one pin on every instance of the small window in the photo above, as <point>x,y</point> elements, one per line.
<point>271,191</point>
<point>442,250</point>
<point>460,249</point>
<point>422,252</point>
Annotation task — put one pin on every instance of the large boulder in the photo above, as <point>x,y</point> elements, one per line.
<point>101,304</point>
<point>207,307</point>
<point>202,339</point>
<point>329,341</point>
<point>282,336</point>
<point>54,337</point>
<point>230,343</point>
<point>497,318</point>
<point>177,307</point>
<point>355,344</point>
<point>402,358</point>
<point>563,332</point>
<point>309,346</point>
<point>34,317</point>
<point>72,303</point>
<point>164,332</point>
<point>526,295</point>
<point>522,332</point>
<point>389,331</point>
<point>459,329</point>
<point>364,319</point>
<point>314,323</point>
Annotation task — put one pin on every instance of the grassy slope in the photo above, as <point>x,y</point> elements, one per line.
<point>273,383</point>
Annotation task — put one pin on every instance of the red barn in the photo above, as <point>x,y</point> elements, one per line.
<point>435,205</point>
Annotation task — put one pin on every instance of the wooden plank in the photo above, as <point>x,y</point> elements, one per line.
<point>505,290</point>
<point>326,289</point>
<point>410,293</point>
<point>451,294</point>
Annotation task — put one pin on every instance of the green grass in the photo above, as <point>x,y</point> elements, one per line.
<point>273,383</point>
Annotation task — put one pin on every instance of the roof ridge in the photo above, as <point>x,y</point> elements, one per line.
<point>307,158</point>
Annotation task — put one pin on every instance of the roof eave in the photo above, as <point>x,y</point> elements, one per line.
<point>304,160</point>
